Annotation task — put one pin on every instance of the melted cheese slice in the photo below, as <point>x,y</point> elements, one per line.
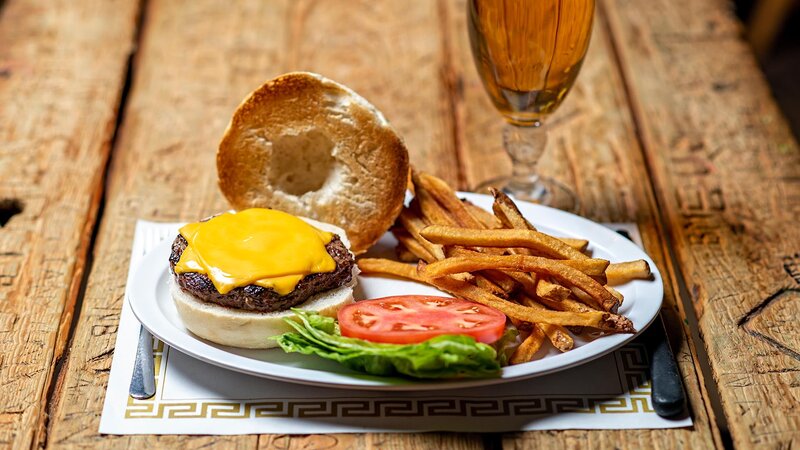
<point>258,246</point>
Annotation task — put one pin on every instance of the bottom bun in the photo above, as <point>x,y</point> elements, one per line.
<point>251,329</point>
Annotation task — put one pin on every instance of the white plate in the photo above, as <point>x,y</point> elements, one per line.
<point>153,306</point>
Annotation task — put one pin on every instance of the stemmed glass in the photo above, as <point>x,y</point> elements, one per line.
<point>528,54</point>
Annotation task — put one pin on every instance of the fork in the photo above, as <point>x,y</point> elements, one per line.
<point>143,379</point>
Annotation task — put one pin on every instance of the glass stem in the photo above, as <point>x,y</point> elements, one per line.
<point>525,145</point>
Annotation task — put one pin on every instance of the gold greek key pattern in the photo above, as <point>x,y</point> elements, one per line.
<point>631,362</point>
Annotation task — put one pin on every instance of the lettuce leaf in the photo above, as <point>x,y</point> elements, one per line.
<point>447,356</point>
<point>507,344</point>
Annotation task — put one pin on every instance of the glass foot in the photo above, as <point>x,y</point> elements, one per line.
<point>544,191</point>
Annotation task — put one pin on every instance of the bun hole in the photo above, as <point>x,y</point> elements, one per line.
<point>301,163</point>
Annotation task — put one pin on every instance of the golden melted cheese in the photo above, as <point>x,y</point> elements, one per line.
<point>258,246</point>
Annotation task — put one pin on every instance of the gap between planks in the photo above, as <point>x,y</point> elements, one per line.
<point>85,261</point>
<point>452,84</point>
<point>712,399</point>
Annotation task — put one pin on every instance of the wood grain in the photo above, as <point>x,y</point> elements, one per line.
<point>197,60</point>
<point>380,441</point>
<point>391,54</point>
<point>62,68</point>
<point>727,176</point>
<point>594,149</point>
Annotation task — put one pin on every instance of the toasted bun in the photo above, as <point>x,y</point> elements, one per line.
<point>249,329</point>
<point>311,147</point>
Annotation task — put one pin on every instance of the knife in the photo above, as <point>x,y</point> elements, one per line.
<point>667,394</point>
<point>143,380</point>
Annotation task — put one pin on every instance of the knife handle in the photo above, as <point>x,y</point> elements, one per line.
<point>143,382</point>
<point>667,392</point>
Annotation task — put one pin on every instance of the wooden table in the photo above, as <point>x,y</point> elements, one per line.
<point>111,110</point>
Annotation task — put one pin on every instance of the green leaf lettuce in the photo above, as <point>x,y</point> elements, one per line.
<point>447,356</point>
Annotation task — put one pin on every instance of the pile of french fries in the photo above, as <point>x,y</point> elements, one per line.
<point>548,286</point>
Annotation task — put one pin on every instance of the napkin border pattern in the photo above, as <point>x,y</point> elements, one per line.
<point>632,363</point>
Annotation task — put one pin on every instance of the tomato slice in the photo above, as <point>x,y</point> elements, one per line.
<point>410,319</point>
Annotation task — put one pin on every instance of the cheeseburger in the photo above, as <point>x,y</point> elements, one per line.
<point>317,175</point>
<point>236,275</point>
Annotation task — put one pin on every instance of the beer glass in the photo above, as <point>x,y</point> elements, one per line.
<point>528,54</point>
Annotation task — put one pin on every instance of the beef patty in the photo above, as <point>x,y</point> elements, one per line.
<point>258,298</point>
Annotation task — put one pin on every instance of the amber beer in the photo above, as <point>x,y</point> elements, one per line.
<point>529,52</point>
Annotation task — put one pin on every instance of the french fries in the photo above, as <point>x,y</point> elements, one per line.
<point>432,210</point>
<point>534,240</point>
<point>598,295</point>
<point>529,347</point>
<point>414,225</point>
<point>447,197</point>
<point>413,245</point>
<point>594,319</point>
<point>547,286</point>
<point>558,335</point>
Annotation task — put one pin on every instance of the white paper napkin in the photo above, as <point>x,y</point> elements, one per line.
<point>193,397</point>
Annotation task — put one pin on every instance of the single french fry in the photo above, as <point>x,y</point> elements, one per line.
<point>578,244</point>
<point>414,225</point>
<point>594,319</point>
<point>552,291</point>
<point>617,294</point>
<point>567,304</point>
<point>505,238</point>
<point>558,335</point>
<point>381,266</point>
<point>621,273</point>
<point>530,345</point>
<point>590,266</point>
<point>582,297</point>
<point>600,297</point>
<point>507,212</point>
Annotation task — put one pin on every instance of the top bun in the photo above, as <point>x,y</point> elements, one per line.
<point>312,147</point>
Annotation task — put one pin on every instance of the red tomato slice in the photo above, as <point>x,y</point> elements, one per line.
<point>410,319</point>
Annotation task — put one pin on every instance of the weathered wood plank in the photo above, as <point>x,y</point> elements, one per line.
<point>595,150</point>
<point>371,441</point>
<point>195,63</point>
<point>390,53</point>
<point>727,175</point>
<point>62,68</point>
<point>198,59</point>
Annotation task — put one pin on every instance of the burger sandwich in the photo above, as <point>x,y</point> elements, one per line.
<point>316,174</point>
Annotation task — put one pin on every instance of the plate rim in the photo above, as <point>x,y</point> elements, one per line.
<point>149,270</point>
